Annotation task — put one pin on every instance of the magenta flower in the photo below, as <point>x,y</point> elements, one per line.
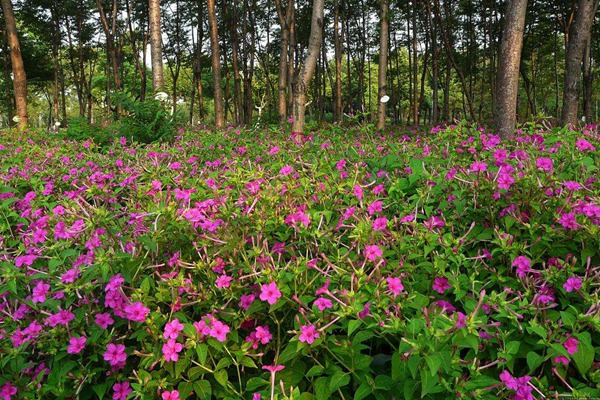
<point>572,345</point>
<point>171,350</point>
<point>573,283</point>
<point>223,281</point>
<point>39,292</point>
<point>121,390</point>
<point>76,345</point>
<point>270,293</point>
<point>358,192</point>
<point>172,329</point>
<point>440,284</point>
<point>380,224</point>
<point>568,221</point>
<point>219,331</point>
<point>286,170</point>
<point>7,391</point>
<point>394,285</point>
<point>136,312</point>
<point>263,335</point>
<point>372,252</point>
<point>172,395</point>
<point>322,303</point>
<point>545,164</point>
<point>375,207</point>
<point>584,145</point>
<point>273,368</point>
<point>523,265</point>
<point>461,320</point>
<point>561,360</point>
<point>115,354</point>
<point>478,166</point>
<point>309,334</point>
<point>104,320</point>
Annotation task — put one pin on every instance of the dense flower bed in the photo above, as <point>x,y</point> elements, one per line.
<point>437,265</point>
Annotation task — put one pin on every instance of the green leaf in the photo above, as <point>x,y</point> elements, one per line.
<point>322,388</point>
<point>338,380</point>
<point>512,347</point>
<point>222,377</point>
<point>202,352</point>
<point>316,370</point>
<point>203,390</point>
<point>185,388</point>
<point>434,362</point>
<point>353,326</point>
<point>584,357</point>
<point>534,360</point>
<point>363,391</point>
<point>100,390</point>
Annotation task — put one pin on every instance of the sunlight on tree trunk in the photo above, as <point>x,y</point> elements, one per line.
<point>156,46</point>
<point>383,62</point>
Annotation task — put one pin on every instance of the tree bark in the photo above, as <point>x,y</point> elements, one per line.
<point>384,44</point>
<point>580,31</point>
<point>198,61</point>
<point>337,38</point>
<point>158,81</point>
<point>508,67</point>
<point>216,65</point>
<point>18,69</point>
<point>285,21</point>
<point>110,32</point>
<point>308,68</point>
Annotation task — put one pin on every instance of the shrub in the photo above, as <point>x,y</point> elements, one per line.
<point>434,265</point>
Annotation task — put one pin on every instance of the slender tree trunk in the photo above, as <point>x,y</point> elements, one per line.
<point>384,44</point>
<point>198,61</point>
<point>18,70</point>
<point>308,68</point>
<point>158,81</point>
<point>580,31</point>
<point>285,21</point>
<point>587,81</point>
<point>415,71</point>
<point>110,33</point>
<point>508,67</point>
<point>337,38</point>
<point>237,78</point>
<point>134,48</point>
<point>435,66</point>
<point>216,64</point>
<point>447,80</point>
<point>9,96</point>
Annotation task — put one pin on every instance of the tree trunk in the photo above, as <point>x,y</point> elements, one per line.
<point>285,21</point>
<point>237,78</point>
<point>110,32</point>
<point>158,81</point>
<point>134,48</point>
<point>308,68</point>
<point>216,65</point>
<point>415,61</point>
<point>384,44</point>
<point>508,67</point>
<point>580,31</point>
<point>9,96</point>
<point>198,61</point>
<point>587,80</point>
<point>19,77</point>
<point>337,38</point>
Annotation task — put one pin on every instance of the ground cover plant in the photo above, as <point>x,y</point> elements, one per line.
<point>353,265</point>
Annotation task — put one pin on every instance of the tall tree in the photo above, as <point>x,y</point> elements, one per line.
<point>307,70</point>
<point>508,67</point>
<point>384,41</point>
<point>580,31</point>
<point>286,21</point>
<point>18,69</point>
<point>216,65</point>
<point>156,45</point>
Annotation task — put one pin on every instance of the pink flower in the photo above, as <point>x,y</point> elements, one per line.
<point>394,285</point>
<point>573,283</point>
<point>7,391</point>
<point>171,350</point>
<point>273,368</point>
<point>70,276</point>
<point>39,292</point>
<point>545,164</point>
<point>478,166</point>
<point>375,207</point>
<point>172,329</point>
<point>76,345</point>
<point>121,390</point>
<point>561,360</point>
<point>309,334</point>
<point>115,354</point>
<point>380,224</point>
<point>440,284</point>
<point>270,293</point>
<point>219,331</point>
<point>104,320</point>
<point>223,281</point>
<point>568,221</point>
<point>286,170</point>
<point>323,303</point>
<point>299,216</point>
<point>136,312</point>
<point>584,145</point>
<point>358,192</point>
<point>461,320</point>
<point>523,265</point>
<point>173,395</point>
<point>571,344</point>
<point>372,252</point>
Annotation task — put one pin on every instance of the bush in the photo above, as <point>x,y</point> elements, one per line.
<point>438,265</point>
